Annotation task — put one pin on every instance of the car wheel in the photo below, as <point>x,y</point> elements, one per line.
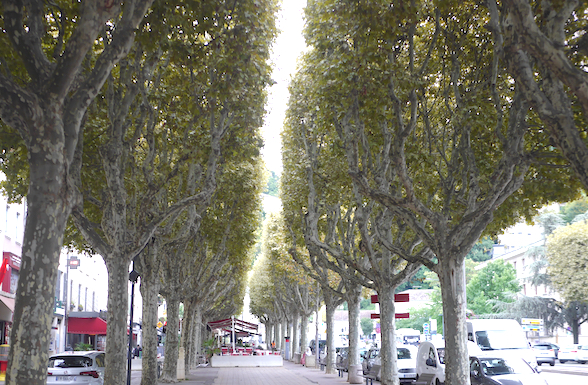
<point>562,361</point>
<point>437,382</point>
<point>539,363</point>
<point>582,362</point>
<point>552,363</point>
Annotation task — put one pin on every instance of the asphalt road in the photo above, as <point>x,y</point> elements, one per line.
<point>569,373</point>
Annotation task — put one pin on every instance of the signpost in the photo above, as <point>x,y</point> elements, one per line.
<point>532,324</point>
<point>404,297</point>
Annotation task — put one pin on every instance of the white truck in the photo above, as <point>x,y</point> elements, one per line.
<point>505,337</point>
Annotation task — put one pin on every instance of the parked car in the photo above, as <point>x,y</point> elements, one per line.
<point>322,344</point>
<point>583,354</point>
<point>496,370</point>
<point>76,368</point>
<point>544,353</point>
<point>431,360</point>
<point>505,335</point>
<point>368,359</point>
<point>342,360</point>
<point>406,362</point>
<point>569,353</point>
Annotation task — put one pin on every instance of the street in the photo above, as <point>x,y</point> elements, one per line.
<point>565,374</point>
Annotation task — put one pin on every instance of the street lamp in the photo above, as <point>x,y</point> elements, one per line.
<point>133,276</point>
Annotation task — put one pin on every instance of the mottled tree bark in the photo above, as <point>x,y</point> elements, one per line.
<point>150,283</point>
<point>353,304</point>
<point>388,355</point>
<point>116,329</point>
<point>170,363</point>
<point>452,281</point>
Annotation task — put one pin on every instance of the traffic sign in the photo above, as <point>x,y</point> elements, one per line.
<point>397,298</point>
<point>426,328</point>
<point>397,315</point>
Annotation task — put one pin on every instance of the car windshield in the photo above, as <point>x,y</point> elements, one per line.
<point>70,362</point>
<point>499,366</point>
<point>501,339</point>
<point>403,354</point>
<point>542,347</point>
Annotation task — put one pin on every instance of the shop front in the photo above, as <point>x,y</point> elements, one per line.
<point>9,273</point>
<point>86,328</point>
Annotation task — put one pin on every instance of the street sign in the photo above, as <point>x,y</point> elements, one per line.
<point>73,262</point>
<point>531,321</point>
<point>397,298</point>
<point>397,315</point>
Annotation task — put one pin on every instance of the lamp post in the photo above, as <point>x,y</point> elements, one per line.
<point>71,262</point>
<point>133,276</point>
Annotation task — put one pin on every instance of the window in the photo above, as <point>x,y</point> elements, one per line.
<point>93,301</point>
<point>58,286</point>
<point>86,300</point>
<point>79,294</point>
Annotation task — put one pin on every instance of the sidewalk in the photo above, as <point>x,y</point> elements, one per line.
<point>289,374</point>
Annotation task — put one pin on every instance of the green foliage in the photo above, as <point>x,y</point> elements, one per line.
<point>497,281</point>
<point>418,317</point>
<point>567,253</point>
<point>418,281</point>
<point>366,304</point>
<point>570,210</point>
<point>482,250</point>
<point>367,326</point>
<point>80,346</point>
<point>273,185</point>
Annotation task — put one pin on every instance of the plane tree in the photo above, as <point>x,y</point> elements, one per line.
<point>546,49</point>
<point>47,85</point>
<point>433,130</point>
<point>348,233</point>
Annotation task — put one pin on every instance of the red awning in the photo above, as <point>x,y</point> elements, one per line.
<point>90,326</point>
<point>9,302</point>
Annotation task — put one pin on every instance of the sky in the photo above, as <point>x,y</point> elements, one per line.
<point>286,49</point>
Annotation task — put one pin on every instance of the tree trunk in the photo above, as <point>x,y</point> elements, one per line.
<point>452,280</point>
<point>575,331</point>
<point>388,355</point>
<point>303,333</point>
<point>197,335</point>
<point>188,335</point>
<point>277,336</point>
<point>170,364</point>
<point>116,330</point>
<point>149,291</point>
<point>353,303</point>
<point>330,337</point>
<point>283,335</point>
<point>47,213</point>
<point>295,340</point>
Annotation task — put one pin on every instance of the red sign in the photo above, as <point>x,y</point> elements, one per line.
<point>397,315</point>
<point>397,298</point>
<point>73,262</point>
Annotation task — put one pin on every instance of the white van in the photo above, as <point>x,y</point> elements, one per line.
<point>503,335</point>
<point>430,362</point>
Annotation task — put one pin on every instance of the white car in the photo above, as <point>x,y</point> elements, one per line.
<point>569,353</point>
<point>76,368</point>
<point>544,353</point>
<point>583,354</point>
<point>406,362</point>
<point>431,361</point>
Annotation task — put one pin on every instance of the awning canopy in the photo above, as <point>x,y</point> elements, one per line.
<point>241,326</point>
<point>9,302</point>
<point>90,326</point>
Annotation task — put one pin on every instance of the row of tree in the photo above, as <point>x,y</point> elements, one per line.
<point>413,129</point>
<point>132,129</point>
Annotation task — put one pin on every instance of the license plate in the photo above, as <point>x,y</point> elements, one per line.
<point>66,378</point>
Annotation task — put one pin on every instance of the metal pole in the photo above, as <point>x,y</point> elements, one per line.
<point>65,318</point>
<point>233,331</point>
<point>133,278</point>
